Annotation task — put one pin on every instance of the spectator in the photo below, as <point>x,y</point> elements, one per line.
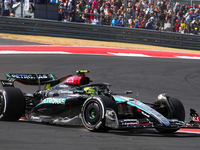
<point>183,26</point>
<point>151,14</point>
<point>95,6</point>
<point>142,24</point>
<point>116,7</point>
<point>143,21</point>
<point>150,25</point>
<point>61,12</point>
<point>86,15</point>
<point>176,26</point>
<point>188,18</point>
<point>188,29</point>
<point>136,23</point>
<point>114,22</point>
<point>7,7</point>
<point>147,16</point>
<point>168,17</point>
<point>69,8</point>
<point>65,19</point>
<point>162,19</point>
<point>91,16</point>
<point>95,21</point>
<point>103,8</point>
<point>195,27</point>
<point>65,9</point>
<point>120,22</point>
<point>131,23</point>
<point>106,20</point>
<point>108,4</point>
<point>81,6</point>
<point>157,24</point>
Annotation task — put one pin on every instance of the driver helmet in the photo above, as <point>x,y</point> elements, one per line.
<point>91,91</point>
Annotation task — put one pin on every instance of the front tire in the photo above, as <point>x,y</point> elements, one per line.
<point>12,104</point>
<point>171,108</point>
<point>93,112</point>
<point>178,111</point>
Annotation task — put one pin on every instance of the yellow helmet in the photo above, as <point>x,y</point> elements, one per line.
<point>91,91</point>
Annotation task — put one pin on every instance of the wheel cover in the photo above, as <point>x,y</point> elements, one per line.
<point>92,113</point>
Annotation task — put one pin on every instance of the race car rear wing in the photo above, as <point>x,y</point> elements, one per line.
<point>38,79</point>
<point>29,79</point>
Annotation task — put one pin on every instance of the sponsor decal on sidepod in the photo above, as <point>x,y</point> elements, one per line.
<point>53,101</point>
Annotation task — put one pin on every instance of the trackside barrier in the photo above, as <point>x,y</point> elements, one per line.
<point>98,32</point>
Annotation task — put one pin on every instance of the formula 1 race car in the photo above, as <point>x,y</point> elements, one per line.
<point>73,99</point>
<point>194,121</point>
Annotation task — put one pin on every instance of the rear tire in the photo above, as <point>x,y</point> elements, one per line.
<point>94,110</point>
<point>12,104</point>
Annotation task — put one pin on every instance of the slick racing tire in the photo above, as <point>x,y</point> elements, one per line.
<point>178,111</point>
<point>174,110</point>
<point>94,110</point>
<point>12,104</point>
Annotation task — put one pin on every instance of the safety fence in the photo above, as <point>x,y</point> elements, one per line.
<point>98,32</point>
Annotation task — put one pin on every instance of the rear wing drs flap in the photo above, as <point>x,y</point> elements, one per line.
<point>28,79</point>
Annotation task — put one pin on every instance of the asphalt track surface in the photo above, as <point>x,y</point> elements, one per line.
<point>146,76</point>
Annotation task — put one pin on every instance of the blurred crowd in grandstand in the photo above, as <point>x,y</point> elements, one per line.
<point>142,14</point>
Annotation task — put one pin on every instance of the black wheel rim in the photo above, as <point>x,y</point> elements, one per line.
<point>92,113</point>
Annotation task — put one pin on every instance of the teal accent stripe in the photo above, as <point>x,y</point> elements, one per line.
<point>8,75</point>
<point>119,99</point>
<point>132,104</point>
<point>52,77</point>
<point>138,107</point>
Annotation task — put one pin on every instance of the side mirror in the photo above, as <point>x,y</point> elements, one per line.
<point>128,92</point>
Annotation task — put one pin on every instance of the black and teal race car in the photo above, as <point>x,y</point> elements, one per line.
<point>75,100</point>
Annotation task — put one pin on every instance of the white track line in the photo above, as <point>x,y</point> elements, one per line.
<point>31,52</point>
<point>129,54</point>
<point>187,57</point>
<point>188,132</point>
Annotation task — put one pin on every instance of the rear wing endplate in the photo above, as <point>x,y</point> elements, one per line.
<point>7,83</point>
